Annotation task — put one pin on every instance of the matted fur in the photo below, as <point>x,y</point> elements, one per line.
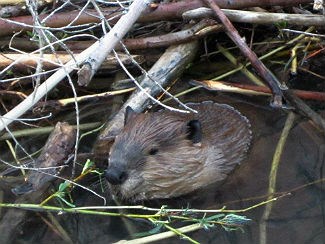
<point>179,166</point>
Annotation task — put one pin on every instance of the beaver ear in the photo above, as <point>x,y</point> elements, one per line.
<point>129,114</point>
<point>194,131</point>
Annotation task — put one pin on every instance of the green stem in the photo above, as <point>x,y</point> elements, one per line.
<point>273,175</point>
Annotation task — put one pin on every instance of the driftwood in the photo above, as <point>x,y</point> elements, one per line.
<point>46,166</point>
<point>58,146</point>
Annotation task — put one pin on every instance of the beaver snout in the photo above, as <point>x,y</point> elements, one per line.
<point>115,176</point>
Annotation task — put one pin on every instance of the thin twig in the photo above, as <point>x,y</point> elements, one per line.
<point>44,130</point>
<point>273,175</point>
<point>263,71</point>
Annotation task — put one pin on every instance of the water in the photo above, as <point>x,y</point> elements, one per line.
<point>296,217</point>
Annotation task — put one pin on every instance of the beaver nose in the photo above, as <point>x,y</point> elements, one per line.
<point>115,176</point>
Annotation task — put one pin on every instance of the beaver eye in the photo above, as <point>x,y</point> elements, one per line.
<point>153,151</point>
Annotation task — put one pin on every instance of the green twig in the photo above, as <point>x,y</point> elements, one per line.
<point>162,216</point>
<point>44,130</point>
<point>37,207</point>
<point>274,51</point>
<point>243,68</point>
<point>273,174</point>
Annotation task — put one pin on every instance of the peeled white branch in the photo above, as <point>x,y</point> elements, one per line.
<point>259,17</point>
<point>101,48</point>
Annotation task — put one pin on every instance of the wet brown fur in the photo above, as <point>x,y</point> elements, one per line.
<point>179,166</point>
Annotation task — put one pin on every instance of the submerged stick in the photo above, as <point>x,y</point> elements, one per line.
<point>54,154</point>
<point>44,130</point>
<point>273,175</point>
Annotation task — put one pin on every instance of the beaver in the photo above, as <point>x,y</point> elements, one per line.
<point>166,154</point>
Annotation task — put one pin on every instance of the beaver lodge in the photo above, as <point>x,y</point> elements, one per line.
<point>197,121</point>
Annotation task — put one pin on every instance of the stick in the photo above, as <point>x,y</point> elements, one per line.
<point>253,89</point>
<point>106,44</point>
<point>273,175</point>
<point>264,72</point>
<point>263,18</point>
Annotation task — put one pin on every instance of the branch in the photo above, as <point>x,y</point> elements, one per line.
<point>253,89</point>
<point>263,18</point>
<point>168,11</point>
<point>51,61</point>
<point>125,23</point>
<point>201,29</point>
<point>263,71</point>
<point>106,44</point>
